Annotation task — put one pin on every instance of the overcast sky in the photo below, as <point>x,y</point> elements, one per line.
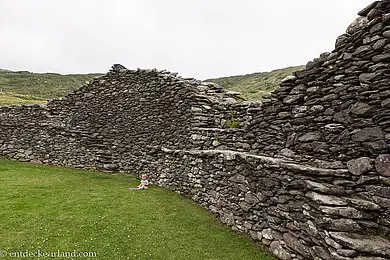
<point>197,38</point>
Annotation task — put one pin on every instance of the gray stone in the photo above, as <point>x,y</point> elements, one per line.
<point>362,49</point>
<point>363,204</point>
<point>379,44</point>
<point>321,252</point>
<point>362,109</point>
<point>334,128</point>
<point>382,165</point>
<point>357,25</point>
<point>276,248</point>
<point>370,258</point>
<point>251,198</point>
<point>326,199</point>
<point>342,224</point>
<point>287,153</point>
<point>245,206</point>
<point>364,243</point>
<point>293,243</point>
<point>284,115</point>
<point>267,234</point>
<point>383,202</point>
<point>381,57</point>
<point>300,89</point>
<point>368,8</point>
<point>346,212</point>
<point>368,134</point>
<point>314,110</point>
<point>313,90</point>
<point>342,117</point>
<point>379,191</point>
<point>310,137</point>
<point>386,103</point>
<point>347,252</point>
<point>368,77</point>
<point>341,40</point>
<point>292,99</point>
<point>360,166</point>
<point>324,188</point>
<point>289,78</point>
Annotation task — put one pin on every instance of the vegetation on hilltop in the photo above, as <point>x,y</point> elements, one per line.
<point>41,86</point>
<point>23,87</point>
<point>253,86</point>
<point>18,99</point>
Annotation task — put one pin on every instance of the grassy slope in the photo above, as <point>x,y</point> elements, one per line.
<point>38,87</point>
<point>41,86</point>
<point>253,86</point>
<point>18,99</point>
<point>52,208</point>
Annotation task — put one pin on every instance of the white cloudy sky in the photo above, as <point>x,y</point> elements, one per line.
<point>197,38</point>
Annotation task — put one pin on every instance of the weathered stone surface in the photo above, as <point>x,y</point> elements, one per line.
<point>292,99</point>
<point>264,168</point>
<point>368,134</point>
<point>362,109</point>
<point>342,224</point>
<point>309,137</point>
<point>369,244</point>
<point>368,8</point>
<point>386,103</point>
<point>368,77</point>
<point>326,199</point>
<point>342,39</point>
<point>382,164</point>
<point>300,89</point>
<point>381,57</point>
<point>276,248</point>
<point>293,243</point>
<point>356,25</point>
<point>379,191</point>
<point>347,212</point>
<point>347,252</point>
<point>363,204</point>
<point>360,166</point>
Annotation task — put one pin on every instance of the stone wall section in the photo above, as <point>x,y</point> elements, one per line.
<point>306,172</point>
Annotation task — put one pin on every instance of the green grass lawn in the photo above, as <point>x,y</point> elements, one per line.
<point>50,208</point>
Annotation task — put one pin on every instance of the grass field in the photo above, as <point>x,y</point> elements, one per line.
<point>51,208</point>
<point>41,85</point>
<point>253,86</point>
<point>18,99</point>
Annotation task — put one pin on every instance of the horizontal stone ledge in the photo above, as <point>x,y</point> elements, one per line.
<point>272,162</point>
<point>219,129</point>
<point>363,243</point>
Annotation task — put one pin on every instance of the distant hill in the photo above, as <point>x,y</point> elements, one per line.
<point>41,86</point>
<point>18,99</point>
<point>253,86</point>
<point>23,87</point>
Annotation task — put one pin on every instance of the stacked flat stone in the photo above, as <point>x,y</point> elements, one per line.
<point>306,172</point>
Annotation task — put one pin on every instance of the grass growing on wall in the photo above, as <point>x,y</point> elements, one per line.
<point>52,208</point>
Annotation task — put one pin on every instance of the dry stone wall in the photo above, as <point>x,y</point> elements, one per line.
<point>306,172</point>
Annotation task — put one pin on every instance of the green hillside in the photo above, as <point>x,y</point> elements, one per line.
<point>41,86</point>
<point>23,87</point>
<point>18,99</point>
<point>253,86</point>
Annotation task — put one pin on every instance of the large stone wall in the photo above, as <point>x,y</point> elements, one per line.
<point>306,172</point>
